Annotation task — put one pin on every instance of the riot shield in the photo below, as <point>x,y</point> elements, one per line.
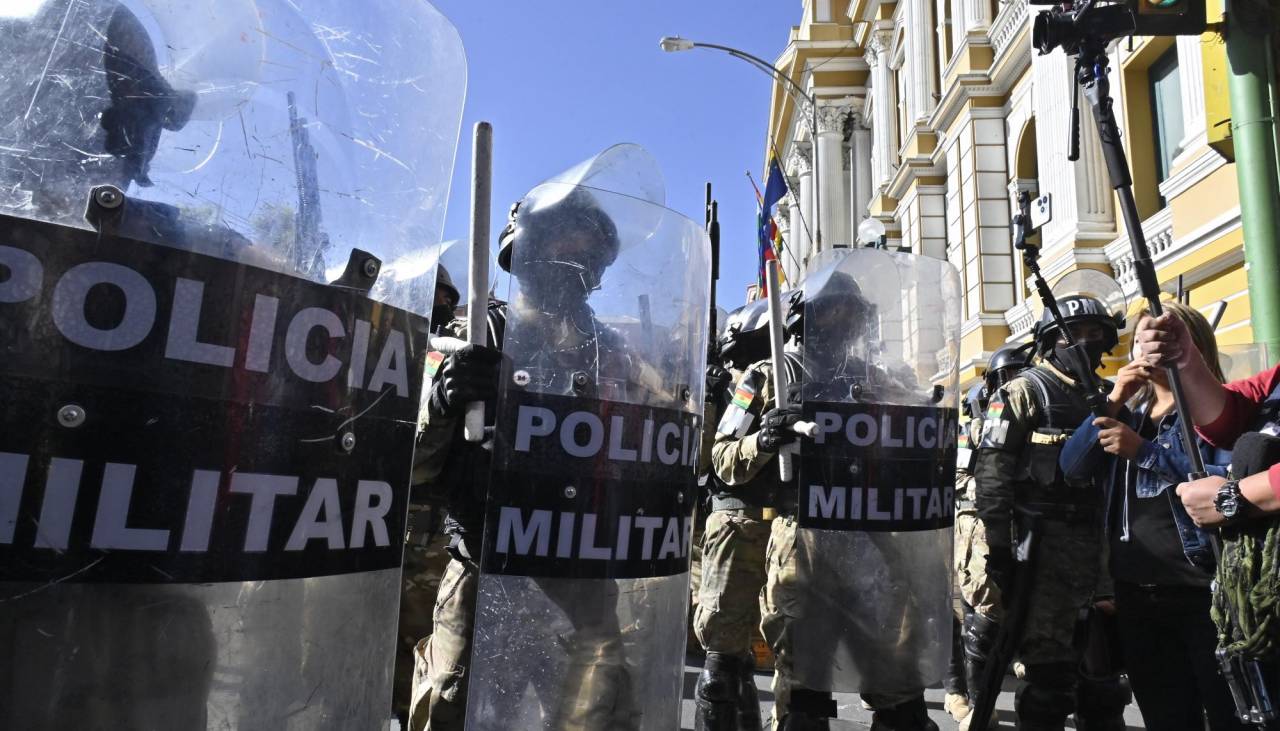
<point>210,404</point>
<point>875,508</point>
<point>583,590</point>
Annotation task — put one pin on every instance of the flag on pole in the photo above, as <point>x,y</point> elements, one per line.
<point>769,239</point>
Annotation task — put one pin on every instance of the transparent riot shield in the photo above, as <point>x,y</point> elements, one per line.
<point>583,590</point>
<point>875,510</point>
<point>210,402</point>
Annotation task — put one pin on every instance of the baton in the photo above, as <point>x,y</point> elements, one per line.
<point>478,267</point>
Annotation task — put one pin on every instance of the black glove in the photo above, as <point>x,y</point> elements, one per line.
<point>775,428</point>
<point>470,374</point>
<point>718,378</point>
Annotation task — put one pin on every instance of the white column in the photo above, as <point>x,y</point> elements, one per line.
<point>921,51</point>
<point>884,111</point>
<point>977,14</point>
<point>799,166</point>
<point>830,148</point>
<point>1082,197</point>
<point>790,262</point>
<point>860,152</point>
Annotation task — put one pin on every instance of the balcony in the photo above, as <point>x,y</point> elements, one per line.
<point>1011,19</point>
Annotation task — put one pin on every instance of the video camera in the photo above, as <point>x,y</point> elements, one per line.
<point>1068,24</point>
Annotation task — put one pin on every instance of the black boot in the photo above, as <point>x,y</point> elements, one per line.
<point>979,638</point>
<point>955,685</point>
<point>716,695</point>
<point>910,716</point>
<point>748,701</point>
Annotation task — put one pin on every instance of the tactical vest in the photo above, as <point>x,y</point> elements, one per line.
<point>764,489</point>
<point>1040,480</point>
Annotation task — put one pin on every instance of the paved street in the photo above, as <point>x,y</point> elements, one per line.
<point>852,714</point>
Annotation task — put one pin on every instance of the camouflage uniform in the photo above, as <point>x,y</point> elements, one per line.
<point>739,461</point>
<point>448,467</point>
<point>976,590</point>
<point>424,565</point>
<point>734,540</point>
<point>1017,470</point>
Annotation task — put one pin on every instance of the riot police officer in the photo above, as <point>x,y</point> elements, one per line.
<point>970,552</point>
<point>735,537</point>
<point>425,557</point>
<point>560,252</point>
<point>1018,481</point>
<point>751,435</point>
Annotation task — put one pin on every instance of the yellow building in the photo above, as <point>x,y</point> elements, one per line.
<point>932,116</point>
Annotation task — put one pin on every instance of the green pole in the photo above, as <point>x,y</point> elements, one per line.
<point>1253,129</point>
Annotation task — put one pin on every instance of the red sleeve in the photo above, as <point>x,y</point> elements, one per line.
<point>1243,398</point>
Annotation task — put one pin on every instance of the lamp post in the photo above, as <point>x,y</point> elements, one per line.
<point>672,44</point>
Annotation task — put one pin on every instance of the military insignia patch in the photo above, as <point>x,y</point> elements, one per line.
<point>434,359</point>
<point>995,426</point>
<point>744,394</point>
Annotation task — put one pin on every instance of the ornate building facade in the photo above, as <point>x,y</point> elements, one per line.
<point>932,115</point>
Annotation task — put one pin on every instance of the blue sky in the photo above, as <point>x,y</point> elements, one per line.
<point>562,80</point>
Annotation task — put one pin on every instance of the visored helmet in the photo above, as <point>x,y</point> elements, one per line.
<point>1005,363</point>
<point>832,295</point>
<point>746,336</point>
<point>573,230</point>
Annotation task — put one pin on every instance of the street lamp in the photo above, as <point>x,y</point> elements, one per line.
<point>672,44</point>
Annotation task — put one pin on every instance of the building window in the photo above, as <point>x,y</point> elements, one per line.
<point>1166,118</point>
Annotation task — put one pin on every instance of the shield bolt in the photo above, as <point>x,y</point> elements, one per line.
<point>521,378</point>
<point>348,441</point>
<point>371,267</point>
<point>570,491</point>
<point>579,380</point>
<point>679,497</point>
<point>685,394</point>
<point>71,416</point>
<point>108,196</point>
<point>854,469</point>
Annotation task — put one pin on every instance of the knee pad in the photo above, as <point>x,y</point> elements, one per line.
<point>718,681</point>
<point>979,637</point>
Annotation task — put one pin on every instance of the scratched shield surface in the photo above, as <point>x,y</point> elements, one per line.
<point>219,228</point>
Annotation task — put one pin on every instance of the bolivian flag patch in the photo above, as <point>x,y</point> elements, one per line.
<point>744,394</point>
<point>995,410</point>
<point>434,359</point>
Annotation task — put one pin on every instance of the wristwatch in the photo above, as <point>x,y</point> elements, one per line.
<point>1229,501</point>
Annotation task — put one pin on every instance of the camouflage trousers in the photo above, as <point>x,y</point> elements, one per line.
<point>439,698</point>
<point>970,559</point>
<point>1068,562</point>
<point>424,566</point>
<point>733,573</point>
<point>779,607</point>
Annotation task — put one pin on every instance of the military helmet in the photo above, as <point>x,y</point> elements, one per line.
<point>821,293</point>
<point>1005,363</point>
<point>975,400</point>
<point>746,335</point>
<point>537,225</point>
<point>1077,308</point>
<point>443,279</point>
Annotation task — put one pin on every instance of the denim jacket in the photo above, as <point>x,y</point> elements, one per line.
<point>1162,463</point>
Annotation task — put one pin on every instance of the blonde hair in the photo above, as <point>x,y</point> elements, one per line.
<point>1200,329</point>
